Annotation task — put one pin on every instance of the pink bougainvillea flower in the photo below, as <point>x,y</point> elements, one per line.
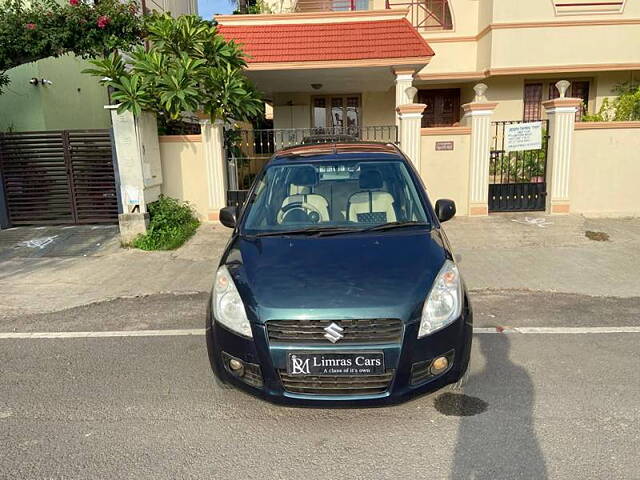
<point>74,2</point>
<point>30,26</point>
<point>103,21</point>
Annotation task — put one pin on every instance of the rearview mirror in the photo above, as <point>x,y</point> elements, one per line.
<point>228,216</point>
<point>445,209</point>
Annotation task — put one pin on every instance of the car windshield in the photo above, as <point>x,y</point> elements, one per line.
<point>331,196</point>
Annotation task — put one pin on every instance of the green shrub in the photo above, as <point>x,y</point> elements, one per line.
<point>624,108</point>
<point>171,223</point>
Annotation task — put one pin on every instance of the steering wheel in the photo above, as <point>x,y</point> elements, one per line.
<point>299,212</point>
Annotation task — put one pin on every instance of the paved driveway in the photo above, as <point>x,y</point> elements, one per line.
<point>49,269</point>
<point>51,242</point>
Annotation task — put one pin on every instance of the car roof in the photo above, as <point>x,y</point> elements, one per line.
<point>338,151</point>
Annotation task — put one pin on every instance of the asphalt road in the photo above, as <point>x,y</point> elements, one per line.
<point>537,405</point>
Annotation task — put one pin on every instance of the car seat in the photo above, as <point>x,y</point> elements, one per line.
<point>302,197</point>
<point>372,204</point>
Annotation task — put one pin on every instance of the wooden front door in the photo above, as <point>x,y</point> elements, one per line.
<point>443,107</point>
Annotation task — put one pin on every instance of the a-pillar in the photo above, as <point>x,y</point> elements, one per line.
<point>216,165</point>
<point>477,115</point>
<point>410,118</point>
<point>561,113</point>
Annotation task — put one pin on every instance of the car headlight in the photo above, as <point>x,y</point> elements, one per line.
<point>228,308</point>
<point>444,303</point>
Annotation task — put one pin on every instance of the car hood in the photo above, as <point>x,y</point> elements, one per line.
<point>384,275</point>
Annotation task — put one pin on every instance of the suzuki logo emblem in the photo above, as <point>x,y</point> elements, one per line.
<point>334,332</point>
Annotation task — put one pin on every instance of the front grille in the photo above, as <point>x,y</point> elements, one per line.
<point>336,384</point>
<point>368,330</point>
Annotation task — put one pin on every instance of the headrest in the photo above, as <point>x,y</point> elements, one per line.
<point>304,176</point>
<point>297,190</point>
<point>370,179</point>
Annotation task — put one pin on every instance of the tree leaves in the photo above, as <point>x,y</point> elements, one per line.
<point>108,68</point>
<point>187,68</point>
<point>625,107</point>
<point>131,93</point>
<point>30,31</point>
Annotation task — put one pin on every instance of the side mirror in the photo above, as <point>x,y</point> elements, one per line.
<point>445,209</point>
<point>228,216</point>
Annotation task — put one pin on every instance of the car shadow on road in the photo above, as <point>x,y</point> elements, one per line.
<point>500,441</point>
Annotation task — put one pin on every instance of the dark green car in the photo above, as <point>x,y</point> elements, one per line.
<point>338,286</point>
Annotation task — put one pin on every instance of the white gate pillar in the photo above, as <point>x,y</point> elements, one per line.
<point>477,115</point>
<point>216,163</point>
<point>403,81</point>
<point>410,118</point>
<point>562,116</point>
<point>139,169</point>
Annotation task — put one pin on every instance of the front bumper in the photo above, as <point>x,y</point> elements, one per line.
<point>266,362</point>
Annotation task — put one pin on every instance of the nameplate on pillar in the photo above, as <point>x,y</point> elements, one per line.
<point>444,146</point>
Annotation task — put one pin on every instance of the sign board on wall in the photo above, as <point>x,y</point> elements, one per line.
<point>523,136</point>
<point>444,146</point>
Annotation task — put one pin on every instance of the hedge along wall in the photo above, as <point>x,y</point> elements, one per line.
<point>605,169</point>
<point>445,171</point>
<point>184,171</point>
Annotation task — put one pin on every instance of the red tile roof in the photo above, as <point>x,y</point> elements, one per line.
<point>376,39</point>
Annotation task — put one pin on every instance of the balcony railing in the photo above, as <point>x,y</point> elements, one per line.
<point>426,15</point>
<point>332,5</point>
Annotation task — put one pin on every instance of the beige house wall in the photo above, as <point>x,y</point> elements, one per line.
<point>509,90</point>
<point>293,110</point>
<point>184,171</point>
<point>605,170</point>
<point>446,173</point>
<point>539,10</point>
<point>378,108</point>
<point>561,46</point>
<point>175,7</point>
<point>493,35</point>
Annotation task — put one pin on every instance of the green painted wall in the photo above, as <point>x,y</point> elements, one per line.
<point>74,100</point>
<point>21,104</point>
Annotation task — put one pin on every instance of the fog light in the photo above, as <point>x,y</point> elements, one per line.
<point>236,367</point>
<point>439,365</point>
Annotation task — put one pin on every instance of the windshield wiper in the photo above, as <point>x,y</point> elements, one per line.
<point>305,231</point>
<point>392,225</point>
<point>328,231</point>
<point>374,228</point>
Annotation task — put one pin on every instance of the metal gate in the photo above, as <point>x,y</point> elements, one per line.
<point>58,177</point>
<point>517,180</point>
